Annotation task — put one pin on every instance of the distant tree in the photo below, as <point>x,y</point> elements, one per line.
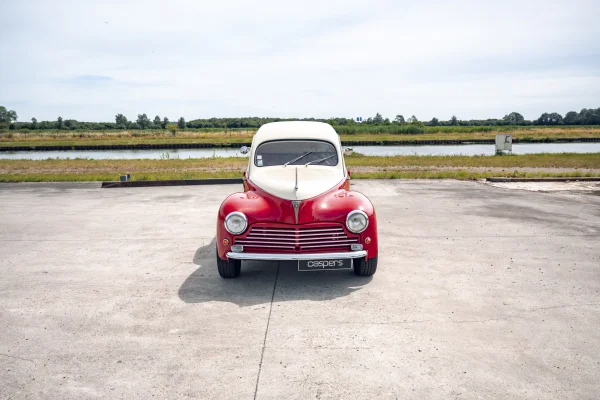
<point>34,123</point>
<point>434,122</point>
<point>165,122</point>
<point>594,117</point>
<point>550,119</point>
<point>143,121</point>
<point>181,123</point>
<point>588,117</point>
<point>556,119</point>
<point>514,118</point>
<point>71,124</point>
<point>121,121</point>
<point>59,123</point>
<point>378,119</point>
<point>4,117</point>
<point>157,121</point>
<point>7,116</point>
<point>453,120</point>
<point>412,120</point>
<point>570,118</point>
<point>399,119</point>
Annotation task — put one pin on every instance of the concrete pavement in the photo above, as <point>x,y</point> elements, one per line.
<point>481,292</point>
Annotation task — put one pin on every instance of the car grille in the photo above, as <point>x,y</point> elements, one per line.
<point>313,238</point>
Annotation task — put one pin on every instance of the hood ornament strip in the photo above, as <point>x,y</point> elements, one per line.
<point>296,205</point>
<point>296,186</point>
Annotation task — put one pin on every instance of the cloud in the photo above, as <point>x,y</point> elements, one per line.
<point>91,60</point>
<point>88,79</point>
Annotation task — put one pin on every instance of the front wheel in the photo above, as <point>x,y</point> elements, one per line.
<point>364,267</point>
<point>229,268</point>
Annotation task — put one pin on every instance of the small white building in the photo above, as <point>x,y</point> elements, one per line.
<point>503,143</point>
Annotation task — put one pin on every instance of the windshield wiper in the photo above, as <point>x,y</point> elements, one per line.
<point>318,161</point>
<point>297,158</point>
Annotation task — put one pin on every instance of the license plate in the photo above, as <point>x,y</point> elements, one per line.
<point>321,265</point>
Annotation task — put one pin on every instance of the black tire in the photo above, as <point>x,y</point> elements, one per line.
<point>363,267</point>
<point>229,268</point>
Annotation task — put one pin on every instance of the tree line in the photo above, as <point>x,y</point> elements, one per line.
<point>584,117</point>
<point>8,119</point>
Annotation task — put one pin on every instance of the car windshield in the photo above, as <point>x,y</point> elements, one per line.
<point>295,152</point>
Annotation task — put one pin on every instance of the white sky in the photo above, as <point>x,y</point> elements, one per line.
<point>90,60</point>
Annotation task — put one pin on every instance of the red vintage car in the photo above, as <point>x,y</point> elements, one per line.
<point>297,205</point>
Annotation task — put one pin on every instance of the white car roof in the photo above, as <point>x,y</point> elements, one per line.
<point>296,130</point>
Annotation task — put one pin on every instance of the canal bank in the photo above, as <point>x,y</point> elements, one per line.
<point>172,146</point>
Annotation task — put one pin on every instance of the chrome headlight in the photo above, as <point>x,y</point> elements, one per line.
<point>357,221</point>
<point>236,223</point>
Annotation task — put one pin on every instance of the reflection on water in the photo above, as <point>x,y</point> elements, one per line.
<point>437,150</point>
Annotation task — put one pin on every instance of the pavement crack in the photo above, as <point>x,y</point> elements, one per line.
<point>18,358</point>
<point>411,321</point>
<point>181,263</point>
<point>483,321</point>
<point>262,353</point>
<point>564,306</point>
<point>520,315</point>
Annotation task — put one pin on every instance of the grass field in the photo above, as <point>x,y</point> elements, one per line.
<point>408,167</point>
<point>75,138</point>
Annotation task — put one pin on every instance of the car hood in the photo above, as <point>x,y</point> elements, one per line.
<point>296,182</point>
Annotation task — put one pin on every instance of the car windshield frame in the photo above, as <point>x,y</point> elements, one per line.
<point>294,159</point>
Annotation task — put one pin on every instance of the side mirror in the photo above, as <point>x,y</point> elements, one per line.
<point>244,149</point>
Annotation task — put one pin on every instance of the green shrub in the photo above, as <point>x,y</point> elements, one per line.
<point>173,128</point>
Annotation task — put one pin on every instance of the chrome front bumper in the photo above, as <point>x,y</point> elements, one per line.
<point>296,257</point>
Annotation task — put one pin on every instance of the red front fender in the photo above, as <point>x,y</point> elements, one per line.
<point>332,206</point>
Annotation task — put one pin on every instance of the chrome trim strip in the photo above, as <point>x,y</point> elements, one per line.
<point>258,244</point>
<point>294,237</point>
<point>271,246</point>
<point>296,186</point>
<point>296,240</point>
<point>296,257</point>
<point>292,244</point>
<point>293,231</point>
<point>331,228</point>
<point>316,246</point>
<point>340,232</point>
<point>296,203</point>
